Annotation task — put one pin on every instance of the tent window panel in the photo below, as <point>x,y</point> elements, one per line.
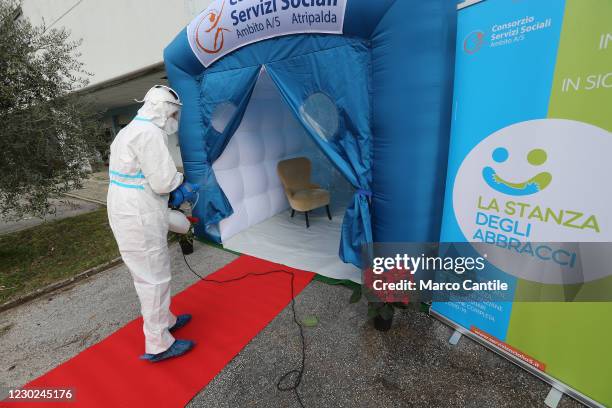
<point>321,114</point>
<point>223,115</point>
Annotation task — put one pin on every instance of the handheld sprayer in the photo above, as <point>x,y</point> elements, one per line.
<point>187,192</point>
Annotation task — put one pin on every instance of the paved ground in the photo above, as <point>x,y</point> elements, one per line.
<point>349,364</point>
<point>87,199</point>
<point>64,209</point>
<point>94,189</point>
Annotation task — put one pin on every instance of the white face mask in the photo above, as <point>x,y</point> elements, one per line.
<point>171,126</point>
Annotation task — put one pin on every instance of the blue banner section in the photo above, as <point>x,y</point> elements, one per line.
<point>498,82</point>
<point>505,61</point>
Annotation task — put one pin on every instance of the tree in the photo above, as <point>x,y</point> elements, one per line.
<point>48,133</point>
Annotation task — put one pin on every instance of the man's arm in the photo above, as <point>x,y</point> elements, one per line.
<point>157,164</point>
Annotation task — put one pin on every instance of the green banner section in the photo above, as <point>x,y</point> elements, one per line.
<point>582,87</point>
<point>573,339</point>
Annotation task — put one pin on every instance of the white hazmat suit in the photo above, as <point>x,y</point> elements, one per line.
<point>142,174</point>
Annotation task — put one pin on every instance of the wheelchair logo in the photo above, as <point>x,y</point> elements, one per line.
<point>209,35</point>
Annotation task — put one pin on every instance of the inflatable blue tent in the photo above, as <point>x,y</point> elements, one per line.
<point>368,81</point>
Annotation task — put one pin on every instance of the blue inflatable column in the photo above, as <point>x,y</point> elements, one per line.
<point>413,51</point>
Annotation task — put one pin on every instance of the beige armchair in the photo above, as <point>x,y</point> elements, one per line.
<point>303,195</point>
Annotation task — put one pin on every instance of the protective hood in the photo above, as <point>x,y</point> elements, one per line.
<point>159,113</point>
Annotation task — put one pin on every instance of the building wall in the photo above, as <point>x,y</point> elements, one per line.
<point>119,36</point>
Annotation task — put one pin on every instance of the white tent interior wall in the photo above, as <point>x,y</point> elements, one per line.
<point>246,171</point>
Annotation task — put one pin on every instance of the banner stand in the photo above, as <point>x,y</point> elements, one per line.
<point>531,136</point>
<point>455,337</point>
<point>553,398</point>
<point>554,383</point>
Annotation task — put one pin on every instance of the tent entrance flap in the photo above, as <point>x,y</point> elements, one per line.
<point>261,224</point>
<point>247,169</point>
<point>327,93</point>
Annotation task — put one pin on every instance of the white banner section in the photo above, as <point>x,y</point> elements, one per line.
<point>227,25</point>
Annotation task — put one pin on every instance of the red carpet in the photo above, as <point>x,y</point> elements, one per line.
<point>225,318</point>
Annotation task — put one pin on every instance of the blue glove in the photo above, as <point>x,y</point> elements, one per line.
<point>185,192</point>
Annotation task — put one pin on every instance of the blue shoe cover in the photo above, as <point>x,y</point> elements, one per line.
<point>178,348</point>
<point>181,320</point>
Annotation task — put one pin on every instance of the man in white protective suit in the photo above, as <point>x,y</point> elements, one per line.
<point>142,178</point>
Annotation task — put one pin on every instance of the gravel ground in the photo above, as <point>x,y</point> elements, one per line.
<point>349,364</point>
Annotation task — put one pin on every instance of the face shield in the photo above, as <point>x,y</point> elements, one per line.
<point>162,106</point>
<point>173,121</point>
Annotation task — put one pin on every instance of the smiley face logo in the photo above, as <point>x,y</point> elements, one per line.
<point>535,184</point>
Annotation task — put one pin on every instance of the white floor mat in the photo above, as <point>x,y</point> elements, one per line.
<point>287,241</point>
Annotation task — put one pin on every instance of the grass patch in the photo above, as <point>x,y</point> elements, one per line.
<point>54,251</point>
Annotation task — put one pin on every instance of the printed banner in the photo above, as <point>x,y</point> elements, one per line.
<point>227,25</point>
<point>530,162</point>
